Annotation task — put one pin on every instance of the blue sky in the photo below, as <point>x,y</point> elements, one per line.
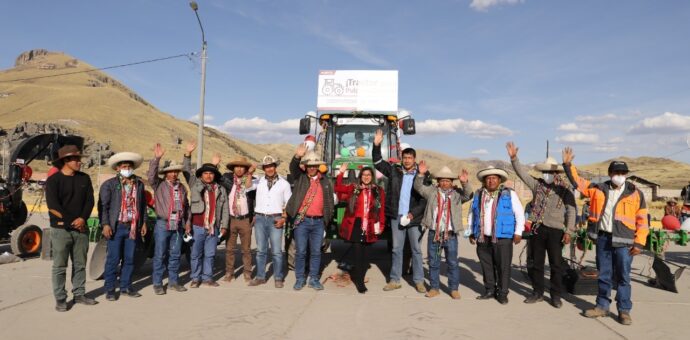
<point>609,78</point>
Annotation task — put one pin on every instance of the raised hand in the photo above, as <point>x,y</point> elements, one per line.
<point>191,146</point>
<point>158,151</point>
<point>423,168</point>
<point>378,137</point>
<point>512,150</point>
<point>251,169</point>
<point>301,150</point>
<point>568,155</point>
<point>343,168</point>
<point>216,159</point>
<point>464,176</point>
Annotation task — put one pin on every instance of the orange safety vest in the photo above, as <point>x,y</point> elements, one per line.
<point>630,212</point>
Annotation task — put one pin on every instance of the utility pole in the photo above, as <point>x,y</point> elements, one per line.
<point>200,136</point>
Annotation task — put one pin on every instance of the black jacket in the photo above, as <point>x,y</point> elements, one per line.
<point>394,173</point>
<point>301,186</point>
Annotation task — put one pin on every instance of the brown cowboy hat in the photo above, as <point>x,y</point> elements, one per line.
<point>239,161</point>
<point>67,151</point>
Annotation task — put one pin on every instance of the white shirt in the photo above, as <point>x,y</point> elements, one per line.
<point>445,213</point>
<point>518,210</point>
<point>607,215</point>
<point>272,201</point>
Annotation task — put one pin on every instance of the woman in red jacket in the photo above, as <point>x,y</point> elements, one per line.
<point>364,217</point>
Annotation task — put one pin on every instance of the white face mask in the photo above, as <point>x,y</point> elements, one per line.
<point>618,180</point>
<point>126,173</point>
<point>548,178</point>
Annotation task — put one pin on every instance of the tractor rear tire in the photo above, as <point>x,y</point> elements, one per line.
<point>27,239</point>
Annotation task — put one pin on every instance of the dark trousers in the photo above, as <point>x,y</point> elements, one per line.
<point>545,241</point>
<point>495,259</point>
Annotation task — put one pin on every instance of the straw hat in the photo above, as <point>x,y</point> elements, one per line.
<point>135,158</point>
<point>238,161</point>
<point>170,166</point>
<point>550,164</point>
<point>312,159</point>
<point>445,173</point>
<point>491,170</point>
<point>269,160</point>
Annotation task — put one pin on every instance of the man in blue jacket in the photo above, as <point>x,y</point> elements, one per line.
<point>122,212</point>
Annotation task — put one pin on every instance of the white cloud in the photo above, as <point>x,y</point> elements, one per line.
<point>606,148</point>
<point>474,128</point>
<point>597,119</point>
<point>579,138</point>
<point>568,127</point>
<point>484,5</point>
<point>668,122</point>
<point>480,152</point>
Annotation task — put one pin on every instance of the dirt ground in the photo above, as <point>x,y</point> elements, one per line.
<point>236,311</point>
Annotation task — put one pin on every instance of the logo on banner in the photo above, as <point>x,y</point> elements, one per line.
<point>332,88</point>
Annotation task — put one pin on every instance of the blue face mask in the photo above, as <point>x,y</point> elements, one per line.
<point>126,173</point>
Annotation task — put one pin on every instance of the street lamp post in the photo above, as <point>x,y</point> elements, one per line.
<point>200,137</point>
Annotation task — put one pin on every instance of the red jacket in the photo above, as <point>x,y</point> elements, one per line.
<point>344,192</point>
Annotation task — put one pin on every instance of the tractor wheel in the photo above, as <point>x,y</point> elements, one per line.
<point>26,240</point>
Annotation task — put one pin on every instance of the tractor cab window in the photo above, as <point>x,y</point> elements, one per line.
<point>357,141</point>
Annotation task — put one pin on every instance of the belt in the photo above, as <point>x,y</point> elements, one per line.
<point>241,217</point>
<point>601,232</point>
<point>268,215</point>
<point>313,217</point>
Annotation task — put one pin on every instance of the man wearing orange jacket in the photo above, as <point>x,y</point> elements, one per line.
<point>618,216</point>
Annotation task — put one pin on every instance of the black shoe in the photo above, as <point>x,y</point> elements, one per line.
<point>178,288</point>
<point>502,299</point>
<point>534,298</point>
<point>556,302</point>
<point>61,305</point>
<point>158,290</point>
<point>485,296</point>
<point>130,293</point>
<point>84,300</point>
<point>110,296</point>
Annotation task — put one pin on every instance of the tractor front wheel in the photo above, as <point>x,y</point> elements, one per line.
<point>26,240</point>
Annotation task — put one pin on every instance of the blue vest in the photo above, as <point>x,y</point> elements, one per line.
<point>505,218</point>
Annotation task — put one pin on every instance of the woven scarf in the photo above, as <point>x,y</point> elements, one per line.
<point>486,197</point>
<point>443,215</point>
<point>209,219</point>
<point>541,194</point>
<point>239,194</point>
<point>128,208</point>
<point>314,185</point>
<point>174,206</point>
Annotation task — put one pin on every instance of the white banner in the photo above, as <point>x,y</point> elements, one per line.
<point>373,91</point>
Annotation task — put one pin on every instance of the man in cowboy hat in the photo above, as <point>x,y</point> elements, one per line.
<point>443,217</point>
<point>618,223</point>
<point>405,209</point>
<point>172,212</point>
<point>69,195</point>
<point>497,220</point>
<point>122,212</point>
<point>209,215</point>
<point>311,207</point>
<point>241,188</point>
<point>552,221</point>
<point>272,194</point>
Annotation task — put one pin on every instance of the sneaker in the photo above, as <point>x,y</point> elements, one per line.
<point>392,286</point>
<point>316,284</point>
<point>211,283</point>
<point>84,300</point>
<point>502,299</point>
<point>556,302</point>
<point>177,287</point>
<point>299,284</point>
<point>534,298</point>
<point>61,305</point>
<point>130,293</point>
<point>595,312</point>
<point>624,318</point>
<point>256,282</point>
<point>455,295</point>
<point>195,284</point>
<point>420,288</point>
<point>110,295</point>
<point>432,293</point>
<point>280,283</point>
<point>158,290</point>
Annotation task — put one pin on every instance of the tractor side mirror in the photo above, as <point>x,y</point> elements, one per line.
<point>408,127</point>
<point>304,126</point>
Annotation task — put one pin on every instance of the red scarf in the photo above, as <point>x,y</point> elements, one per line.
<point>443,204</point>
<point>171,207</point>
<point>314,185</point>
<point>126,202</point>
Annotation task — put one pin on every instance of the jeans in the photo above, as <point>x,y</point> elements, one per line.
<point>308,232</point>
<point>66,244</point>
<point>120,247</point>
<point>168,244</point>
<point>613,264</point>
<point>546,241</point>
<point>413,233</point>
<point>203,253</point>
<point>266,231</point>
<point>450,247</point>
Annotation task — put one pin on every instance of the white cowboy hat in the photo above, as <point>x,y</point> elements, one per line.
<point>550,164</point>
<point>120,157</point>
<point>268,160</point>
<point>445,173</point>
<point>170,166</point>
<point>491,170</point>
<point>311,159</point>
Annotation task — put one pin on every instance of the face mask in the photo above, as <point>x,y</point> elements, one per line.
<point>618,180</point>
<point>126,173</point>
<point>548,178</point>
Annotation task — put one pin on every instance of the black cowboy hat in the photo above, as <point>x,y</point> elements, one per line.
<point>208,167</point>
